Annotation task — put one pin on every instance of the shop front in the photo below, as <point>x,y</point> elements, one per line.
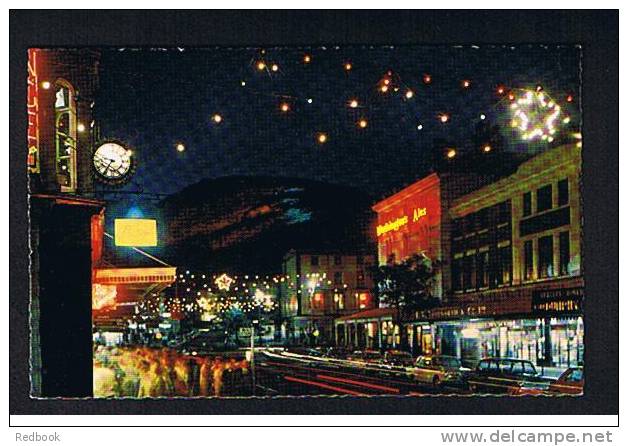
<point>542,325</point>
<point>371,329</point>
<point>525,338</point>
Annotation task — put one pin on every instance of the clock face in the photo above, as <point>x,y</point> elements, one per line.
<point>113,162</point>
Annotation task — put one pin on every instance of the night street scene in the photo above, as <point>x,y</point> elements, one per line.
<point>305,221</point>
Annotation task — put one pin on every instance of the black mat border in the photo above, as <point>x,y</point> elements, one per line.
<point>598,33</point>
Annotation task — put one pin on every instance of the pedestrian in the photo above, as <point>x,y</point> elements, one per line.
<point>181,376</point>
<point>104,381</point>
<point>218,369</point>
<point>130,379</point>
<point>144,389</point>
<point>205,369</point>
<point>166,364</point>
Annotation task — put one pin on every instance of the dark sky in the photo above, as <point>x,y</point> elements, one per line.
<point>154,99</point>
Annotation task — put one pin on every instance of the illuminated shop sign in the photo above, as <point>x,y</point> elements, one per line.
<point>395,225</point>
<point>392,225</point>
<point>33,111</point>
<point>455,312</point>
<point>565,300</point>
<point>135,232</point>
<point>418,213</point>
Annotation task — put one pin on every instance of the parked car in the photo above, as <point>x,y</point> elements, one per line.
<point>507,376</point>
<point>439,370</point>
<point>398,358</point>
<point>336,353</point>
<point>368,356</point>
<point>570,382</point>
<point>305,351</point>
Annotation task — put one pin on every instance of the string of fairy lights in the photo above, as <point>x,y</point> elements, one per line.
<point>214,295</point>
<point>532,112</point>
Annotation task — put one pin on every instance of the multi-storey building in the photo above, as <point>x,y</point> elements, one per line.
<point>416,220</point>
<point>319,287</point>
<point>61,88</point>
<point>68,272</point>
<point>517,285</point>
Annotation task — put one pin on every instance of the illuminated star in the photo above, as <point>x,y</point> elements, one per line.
<point>223,282</point>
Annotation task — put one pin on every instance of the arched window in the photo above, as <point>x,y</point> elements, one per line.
<point>65,135</point>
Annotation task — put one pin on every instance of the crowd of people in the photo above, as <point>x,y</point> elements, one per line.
<point>140,372</point>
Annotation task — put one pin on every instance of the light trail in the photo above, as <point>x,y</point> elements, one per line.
<point>358,383</point>
<point>323,386</point>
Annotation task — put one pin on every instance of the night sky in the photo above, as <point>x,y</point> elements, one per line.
<point>154,99</point>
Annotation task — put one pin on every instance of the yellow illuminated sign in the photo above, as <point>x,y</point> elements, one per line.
<point>392,225</point>
<point>418,213</point>
<point>395,225</point>
<point>135,232</point>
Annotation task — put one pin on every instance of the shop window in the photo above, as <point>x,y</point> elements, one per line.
<point>363,300</point>
<point>563,192</point>
<point>337,260</point>
<point>544,198</point>
<point>339,301</point>
<point>504,265</point>
<point>314,260</point>
<point>65,137</point>
<point>528,260</point>
<point>563,243</point>
<point>527,204</point>
<point>318,301</point>
<point>482,269</point>
<point>546,257</point>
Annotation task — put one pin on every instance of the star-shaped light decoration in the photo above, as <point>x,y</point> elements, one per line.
<point>264,300</point>
<point>223,282</point>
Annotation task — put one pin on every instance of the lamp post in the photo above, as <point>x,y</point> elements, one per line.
<point>253,383</point>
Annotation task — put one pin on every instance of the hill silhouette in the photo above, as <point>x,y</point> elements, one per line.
<point>247,224</point>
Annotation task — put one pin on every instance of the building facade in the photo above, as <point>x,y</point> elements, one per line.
<point>517,285</point>
<point>416,220</point>
<point>320,287</point>
<point>69,273</point>
<point>61,86</point>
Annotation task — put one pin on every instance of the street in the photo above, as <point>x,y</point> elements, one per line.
<point>279,374</point>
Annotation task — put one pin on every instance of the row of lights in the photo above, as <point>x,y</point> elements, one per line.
<point>501,90</point>
<point>452,152</point>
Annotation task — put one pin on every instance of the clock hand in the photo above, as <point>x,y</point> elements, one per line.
<point>109,165</point>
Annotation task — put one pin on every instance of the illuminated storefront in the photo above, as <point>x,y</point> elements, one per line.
<point>544,325</point>
<point>371,329</point>
<point>515,262</point>
<point>472,340</point>
<point>409,221</point>
<point>415,220</point>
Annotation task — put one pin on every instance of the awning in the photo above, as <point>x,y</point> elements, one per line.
<point>129,286</point>
<point>375,313</point>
